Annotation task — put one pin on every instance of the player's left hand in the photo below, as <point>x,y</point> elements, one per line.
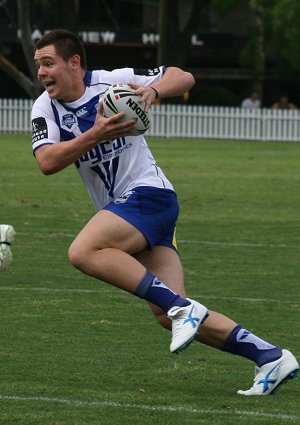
<point>147,94</point>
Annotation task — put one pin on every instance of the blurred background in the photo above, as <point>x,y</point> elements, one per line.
<point>232,47</point>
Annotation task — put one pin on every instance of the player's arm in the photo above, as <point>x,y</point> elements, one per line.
<point>174,82</point>
<point>54,157</point>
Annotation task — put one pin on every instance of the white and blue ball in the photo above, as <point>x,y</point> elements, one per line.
<point>122,98</point>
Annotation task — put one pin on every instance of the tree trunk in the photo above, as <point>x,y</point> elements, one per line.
<point>26,41</point>
<point>175,36</point>
<point>69,11</point>
<point>18,76</point>
<point>261,52</point>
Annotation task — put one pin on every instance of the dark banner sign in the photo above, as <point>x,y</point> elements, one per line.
<point>101,37</point>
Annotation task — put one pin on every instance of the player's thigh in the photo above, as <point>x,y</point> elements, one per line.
<point>108,230</point>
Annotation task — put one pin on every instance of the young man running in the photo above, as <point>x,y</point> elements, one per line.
<point>130,243</point>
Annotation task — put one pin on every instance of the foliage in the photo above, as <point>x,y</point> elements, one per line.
<point>287,31</point>
<point>175,33</point>
<point>274,38</point>
<point>225,6</point>
<point>213,95</point>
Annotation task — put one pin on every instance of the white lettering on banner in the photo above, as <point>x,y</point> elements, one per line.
<point>150,38</point>
<point>90,36</point>
<point>110,37</point>
<point>106,37</point>
<point>195,41</point>
<point>36,35</point>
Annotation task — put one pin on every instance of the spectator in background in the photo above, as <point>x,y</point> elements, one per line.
<point>284,103</point>
<point>252,102</point>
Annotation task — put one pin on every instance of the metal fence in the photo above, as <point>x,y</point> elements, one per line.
<point>185,121</point>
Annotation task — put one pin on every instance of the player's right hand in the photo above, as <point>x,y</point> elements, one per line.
<point>111,128</point>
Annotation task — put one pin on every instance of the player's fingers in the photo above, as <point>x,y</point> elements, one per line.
<point>100,109</point>
<point>147,97</point>
<point>146,93</point>
<point>133,86</point>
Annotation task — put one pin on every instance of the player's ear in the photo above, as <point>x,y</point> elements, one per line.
<point>75,61</point>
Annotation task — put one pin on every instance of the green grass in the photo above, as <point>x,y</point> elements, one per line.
<point>75,351</point>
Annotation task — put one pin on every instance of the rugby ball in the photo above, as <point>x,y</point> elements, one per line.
<point>122,98</point>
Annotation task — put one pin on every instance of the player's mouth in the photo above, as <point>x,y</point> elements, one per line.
<point>48,84</point>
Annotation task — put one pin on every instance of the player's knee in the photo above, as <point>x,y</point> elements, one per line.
<point>78,256</point>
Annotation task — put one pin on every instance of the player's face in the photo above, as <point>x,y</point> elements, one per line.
<point>59,78</point>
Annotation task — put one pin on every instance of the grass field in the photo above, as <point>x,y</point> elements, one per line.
<point>74,351</point>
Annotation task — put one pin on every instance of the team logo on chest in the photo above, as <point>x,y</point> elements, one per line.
<point>68,120</point>
<point>82,112</point>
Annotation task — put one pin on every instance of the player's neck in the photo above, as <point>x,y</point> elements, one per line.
<point>76,91</point>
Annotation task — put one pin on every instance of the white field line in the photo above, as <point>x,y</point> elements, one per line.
<point>56,184</point>
<point>103,291</point>
<point>238,244</point>
<point>157,408</point>
<point>194,242</point>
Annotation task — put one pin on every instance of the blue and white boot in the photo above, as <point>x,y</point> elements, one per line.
<point>185,324</point>
<point>271,376</point>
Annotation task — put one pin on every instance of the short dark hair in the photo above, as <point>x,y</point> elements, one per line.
<point>66,45</point>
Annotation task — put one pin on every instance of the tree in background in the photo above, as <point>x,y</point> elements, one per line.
<point>285,21</point>
<point>253,55</point>
<point>29,85</point>
<point>177,21</point>
<point>273,38</point>
<point>272,46</point>
<point>68,20</point>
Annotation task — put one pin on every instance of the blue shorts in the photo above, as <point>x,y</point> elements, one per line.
<point>153,211</point>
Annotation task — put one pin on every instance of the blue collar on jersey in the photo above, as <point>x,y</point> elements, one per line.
<point>88,78</point>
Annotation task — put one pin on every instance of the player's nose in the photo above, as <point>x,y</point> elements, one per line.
<point>41,72</point>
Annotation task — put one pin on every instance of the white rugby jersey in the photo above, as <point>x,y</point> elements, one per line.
<point>112,167</point>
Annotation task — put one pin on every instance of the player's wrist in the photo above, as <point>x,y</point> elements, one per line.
<point>155,91</point>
